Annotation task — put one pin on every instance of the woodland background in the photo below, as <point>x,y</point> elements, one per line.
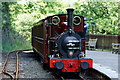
<point>17,19</point>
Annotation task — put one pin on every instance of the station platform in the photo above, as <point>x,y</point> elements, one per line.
<point>105,62</point>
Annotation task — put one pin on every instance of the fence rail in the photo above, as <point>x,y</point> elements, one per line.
<point>105,41</point>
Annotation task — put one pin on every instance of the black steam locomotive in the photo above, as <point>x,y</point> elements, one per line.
<point>58,41</point>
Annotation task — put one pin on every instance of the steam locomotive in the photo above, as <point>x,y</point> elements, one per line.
<point>58,39</point>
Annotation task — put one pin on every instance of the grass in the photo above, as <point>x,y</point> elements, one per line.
<point>106,50</point>
<point>18,45</point>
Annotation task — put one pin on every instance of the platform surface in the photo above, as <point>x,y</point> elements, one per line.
<point>105,62</point>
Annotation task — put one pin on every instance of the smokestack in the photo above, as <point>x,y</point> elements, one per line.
<point>70,17</point>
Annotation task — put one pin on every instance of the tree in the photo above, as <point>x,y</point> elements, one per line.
<point>104,14</point>
<point>18,18</point>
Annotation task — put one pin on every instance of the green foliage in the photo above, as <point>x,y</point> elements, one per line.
<point>18,19</point>
<point>25,15</point>
<point>0,28</point>
<point>11,39</point>
<point>104,14</point>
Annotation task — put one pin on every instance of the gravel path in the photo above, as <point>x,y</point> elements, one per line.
<point>31,67</point>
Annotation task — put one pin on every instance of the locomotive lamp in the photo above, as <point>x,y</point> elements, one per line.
<point>70,53</point>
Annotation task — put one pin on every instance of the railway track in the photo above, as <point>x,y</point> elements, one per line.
<point>91,74</point>
<point>15,74</point>
<point>58,76</point>
<point>64,76</point>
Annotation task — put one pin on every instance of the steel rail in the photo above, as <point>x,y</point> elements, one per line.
<point>5,63</point>
<point>3,71</point>
<point>62,78</point>
<point>17,66</point>
<point>82,78</point>
<point>4,67</point>
<point>57,75</point>
<point>8,74</point>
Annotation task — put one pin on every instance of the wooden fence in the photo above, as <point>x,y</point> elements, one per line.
<point>105,41</point>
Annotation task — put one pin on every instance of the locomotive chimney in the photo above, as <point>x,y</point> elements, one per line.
<point>70,17</point>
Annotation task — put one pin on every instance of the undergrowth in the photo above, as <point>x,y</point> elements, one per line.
<point>18,45</point>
